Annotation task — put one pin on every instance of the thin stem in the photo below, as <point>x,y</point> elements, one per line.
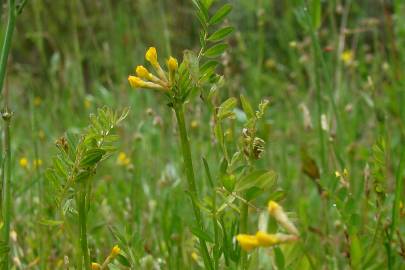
<point>397,199</point>
<point>6,114</point>
<point>81,200</point>
<point>243,226</point>
<point>6,185</point>
<point>41,229</point>
<point>7,41</point>
<point>188,164</point>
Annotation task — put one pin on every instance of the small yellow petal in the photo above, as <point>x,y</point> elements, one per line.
<point>273,207</point>
<point>151,56</point>
<point>115,251</point>
<point>143,73</point>
<point>172,64</point>
<point>136,82</point>
<point>265,240</point>
<point>247,242</point>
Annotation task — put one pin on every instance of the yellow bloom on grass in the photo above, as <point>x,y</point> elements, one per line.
<point>347,57</point>
<point>247,242</point>
<point>24,162</point>
<point>123,159</point>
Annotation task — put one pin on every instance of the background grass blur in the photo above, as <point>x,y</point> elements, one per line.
<point>70,57</point>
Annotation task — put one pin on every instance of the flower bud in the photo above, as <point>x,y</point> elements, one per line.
<point>151,56</point>
<point>172,64</point>
<point>142,72</point>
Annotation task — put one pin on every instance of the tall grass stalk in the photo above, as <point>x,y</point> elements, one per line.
<point>6,115</point>
<point>6,202</point>
<point>5,50</point>
<point>82,211</point>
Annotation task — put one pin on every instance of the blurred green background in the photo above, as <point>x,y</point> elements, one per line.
<point>70,57</point>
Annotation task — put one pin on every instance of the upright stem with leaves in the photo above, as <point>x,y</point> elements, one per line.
<point>188,165</point>
<point>75,166</point>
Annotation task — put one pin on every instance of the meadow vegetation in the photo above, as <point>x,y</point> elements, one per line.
<point>202,134</point>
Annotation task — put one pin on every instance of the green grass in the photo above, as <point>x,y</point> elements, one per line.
<point>69,58</point>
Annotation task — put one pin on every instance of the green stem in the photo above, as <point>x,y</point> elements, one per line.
<point>81,200</point>
<point>243,226</point>
<point>6,185</point>
<point>7,41</point>
<point>188,164</point>
<point>395,207</point>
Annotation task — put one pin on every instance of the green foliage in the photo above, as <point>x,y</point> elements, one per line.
<point>332,71</point>
<point>79,156</point>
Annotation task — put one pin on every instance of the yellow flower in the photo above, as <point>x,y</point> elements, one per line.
<point>151,56</point>
<point>24,162</point>
<point>123,159</point>
<point>136,82</point>
<point>347,57</point>
<point>278,213</point>
<point>143,73</point>
<point>95,266</point>
<point>172,64</point>
<point>247,242</point>
<point>115,251</point>
<point>273,207</point>
<point>265,240</point>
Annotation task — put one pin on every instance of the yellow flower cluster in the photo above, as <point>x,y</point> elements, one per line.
<point>145,79</point>
<point>264,239</point>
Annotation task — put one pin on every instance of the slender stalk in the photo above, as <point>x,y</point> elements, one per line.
<point>41,193</point>
<point>395,207</point>
<point>81,200</point>
<point>5,50</point>
<point>6,184</point>
<point>188,164</point>
<point>243,228</point>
